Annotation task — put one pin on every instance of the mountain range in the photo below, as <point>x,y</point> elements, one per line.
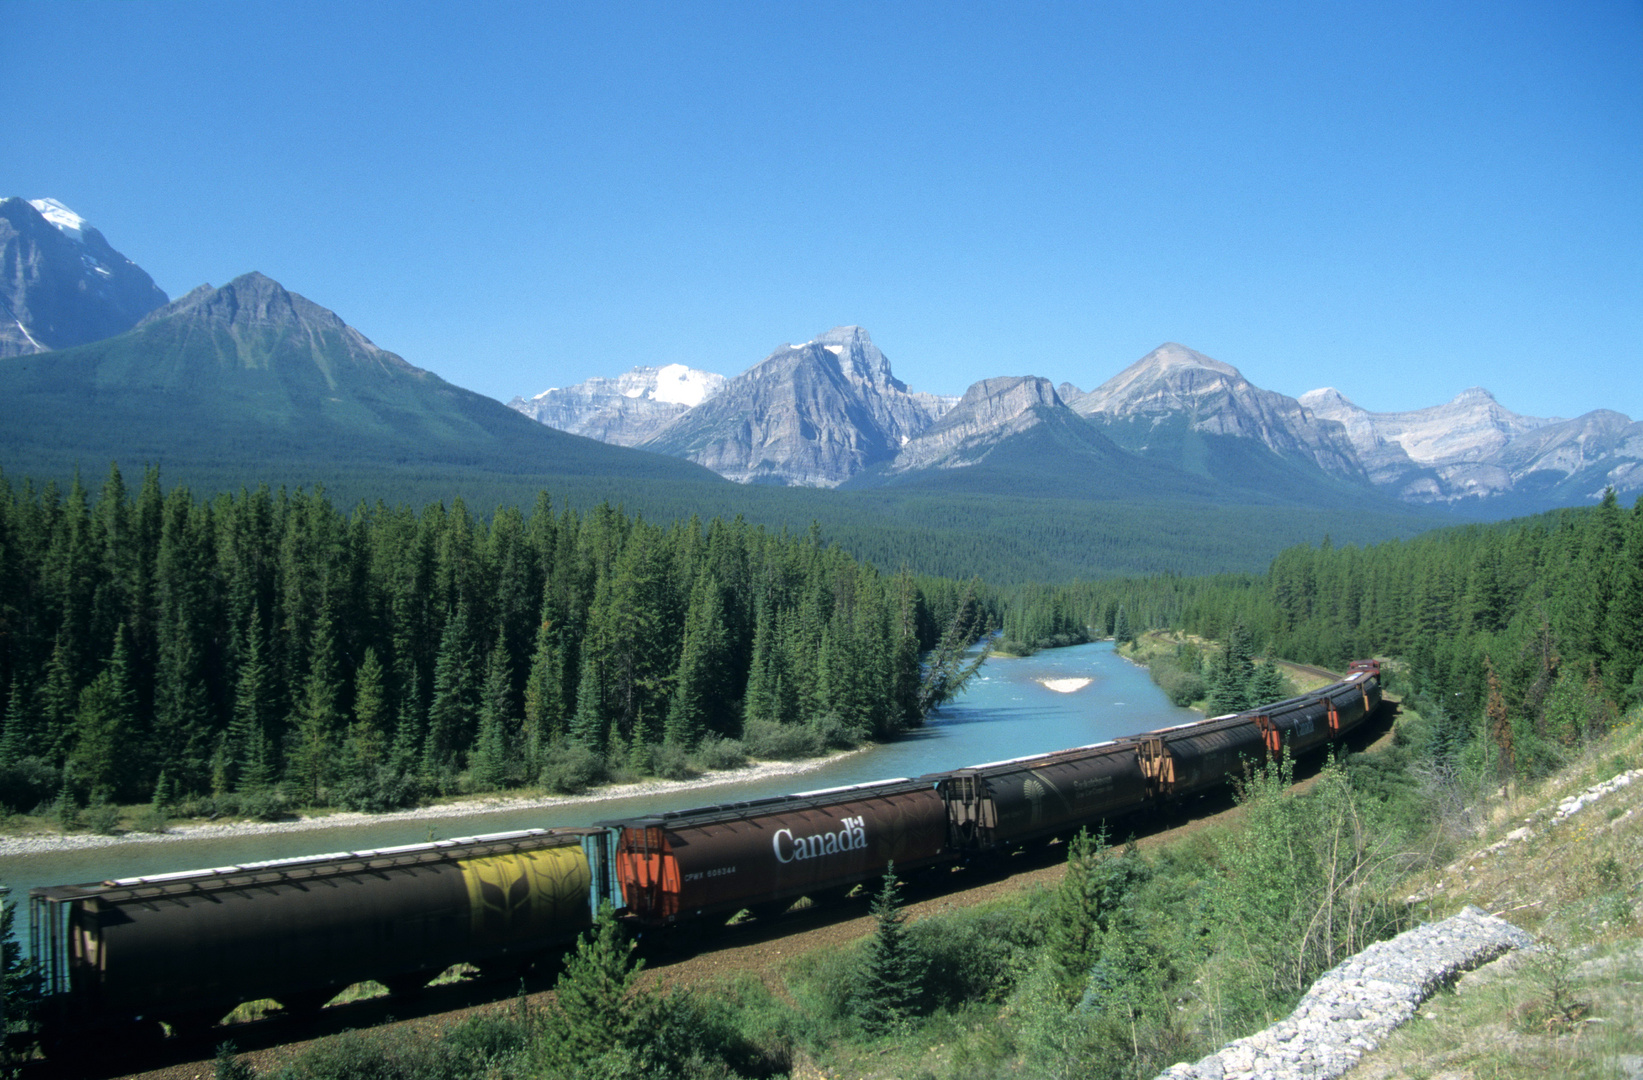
<point>829,413</point>
<point>1176,464</point>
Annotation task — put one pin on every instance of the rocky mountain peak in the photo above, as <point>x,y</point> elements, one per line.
<point>1171,378</point>
<point>990,412</point>
<point>1214,398</point>
<point>250,300</point>
<point>253,309</point>
<point>64,284</point>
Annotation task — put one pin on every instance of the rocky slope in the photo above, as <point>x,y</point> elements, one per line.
<point>1473,448</point>
<point>989,412</point>
<point>809,415</point>
<point>625,410</point>
<point>1174,382</point>
<point>61,284</point>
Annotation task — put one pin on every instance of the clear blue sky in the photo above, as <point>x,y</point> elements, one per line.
<point>1397,199</point>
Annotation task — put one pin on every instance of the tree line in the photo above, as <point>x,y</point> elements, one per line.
<point>1524,635</point>
<point>266,641</point>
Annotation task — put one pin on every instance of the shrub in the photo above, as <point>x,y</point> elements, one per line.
<point>380,789</point>
<point>29,782</point>
<point>714,752</point>
<point>570,768</point>
<point>1180,685</point>
<point>103,817</point>
<point>782,742</point>
<point>669,762</point>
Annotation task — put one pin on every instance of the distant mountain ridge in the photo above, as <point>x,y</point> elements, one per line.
<point>1473,448</point>
<point>625,410</point>
<point>829,412</point>
<point>61,283</point>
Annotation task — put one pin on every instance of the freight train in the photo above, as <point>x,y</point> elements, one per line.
<point>186,948</point>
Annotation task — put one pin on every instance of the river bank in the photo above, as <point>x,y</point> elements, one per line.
<point>37,843</point>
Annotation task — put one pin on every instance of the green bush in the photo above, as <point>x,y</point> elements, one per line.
<point>771,741</point>
<point>716,753</point>
<point>28,783</point>
<point>103,817</point>
<point>670,762</point>
<point>570,768</point>
<point>1181,686</point>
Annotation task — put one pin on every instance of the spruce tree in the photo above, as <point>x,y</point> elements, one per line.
<point>105,725</point>
<point>887,982</point>
<point>487,763</point>
<point>598,1001</point>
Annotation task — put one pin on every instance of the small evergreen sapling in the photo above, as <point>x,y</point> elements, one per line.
<point>887,984</point>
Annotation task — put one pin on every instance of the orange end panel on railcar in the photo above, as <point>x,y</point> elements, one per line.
<point>722,859</point>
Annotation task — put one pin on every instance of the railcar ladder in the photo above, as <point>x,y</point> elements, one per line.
<point>1157,767</point>
<point>1270,735</point>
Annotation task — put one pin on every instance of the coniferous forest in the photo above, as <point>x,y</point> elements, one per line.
<point>267,648</point>
<point>1526,635</point>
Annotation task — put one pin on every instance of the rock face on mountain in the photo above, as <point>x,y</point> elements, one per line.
<point>625,410</point>
<point>1475,448</point>
<point>810,415</point>
<point>990,412</point>
<point>61,284</point>
<point>1175,383</point>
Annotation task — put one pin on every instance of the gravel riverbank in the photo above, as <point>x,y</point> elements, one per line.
<point>43,842</point>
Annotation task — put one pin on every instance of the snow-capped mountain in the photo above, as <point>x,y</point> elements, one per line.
<point>625,410</point>
<point>63,284</point>
<point>809,415</point>
<point>1475,448</point>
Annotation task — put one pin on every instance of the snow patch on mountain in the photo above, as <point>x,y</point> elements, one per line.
<point>68,223</point>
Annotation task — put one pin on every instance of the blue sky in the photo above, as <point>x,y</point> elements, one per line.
<point>1397,199</point>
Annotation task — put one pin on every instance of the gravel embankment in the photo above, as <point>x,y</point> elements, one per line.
<point>1353,1007</point>
<point>34,844</point>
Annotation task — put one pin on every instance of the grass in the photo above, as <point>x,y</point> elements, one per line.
<point>1573,1007</point>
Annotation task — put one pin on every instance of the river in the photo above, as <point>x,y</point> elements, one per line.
<point>1012,707</point>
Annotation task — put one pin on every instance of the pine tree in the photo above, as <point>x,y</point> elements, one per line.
<point>104,727</point>
<point>1121,632</point>
<point>544,694</point>
<point>598,1000</point>
<point>1268,684</point>
<point>487,764</point>
<point>887,983</point>
<point>319,714</point>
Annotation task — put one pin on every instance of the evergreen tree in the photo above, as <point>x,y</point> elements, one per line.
<point>1268,684</point>
<point>104,727</point>
<point>598,1002</point>
<point>365,750</point>
<point>246,747</point>
<point>487,764</point>
<point>544,693</point>
<point>1121,632</point>
<point>319,715</point>
<point>887,983</point>
<point>1090,895</point>
<point>1229,689</point>
<point>453,711</point>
